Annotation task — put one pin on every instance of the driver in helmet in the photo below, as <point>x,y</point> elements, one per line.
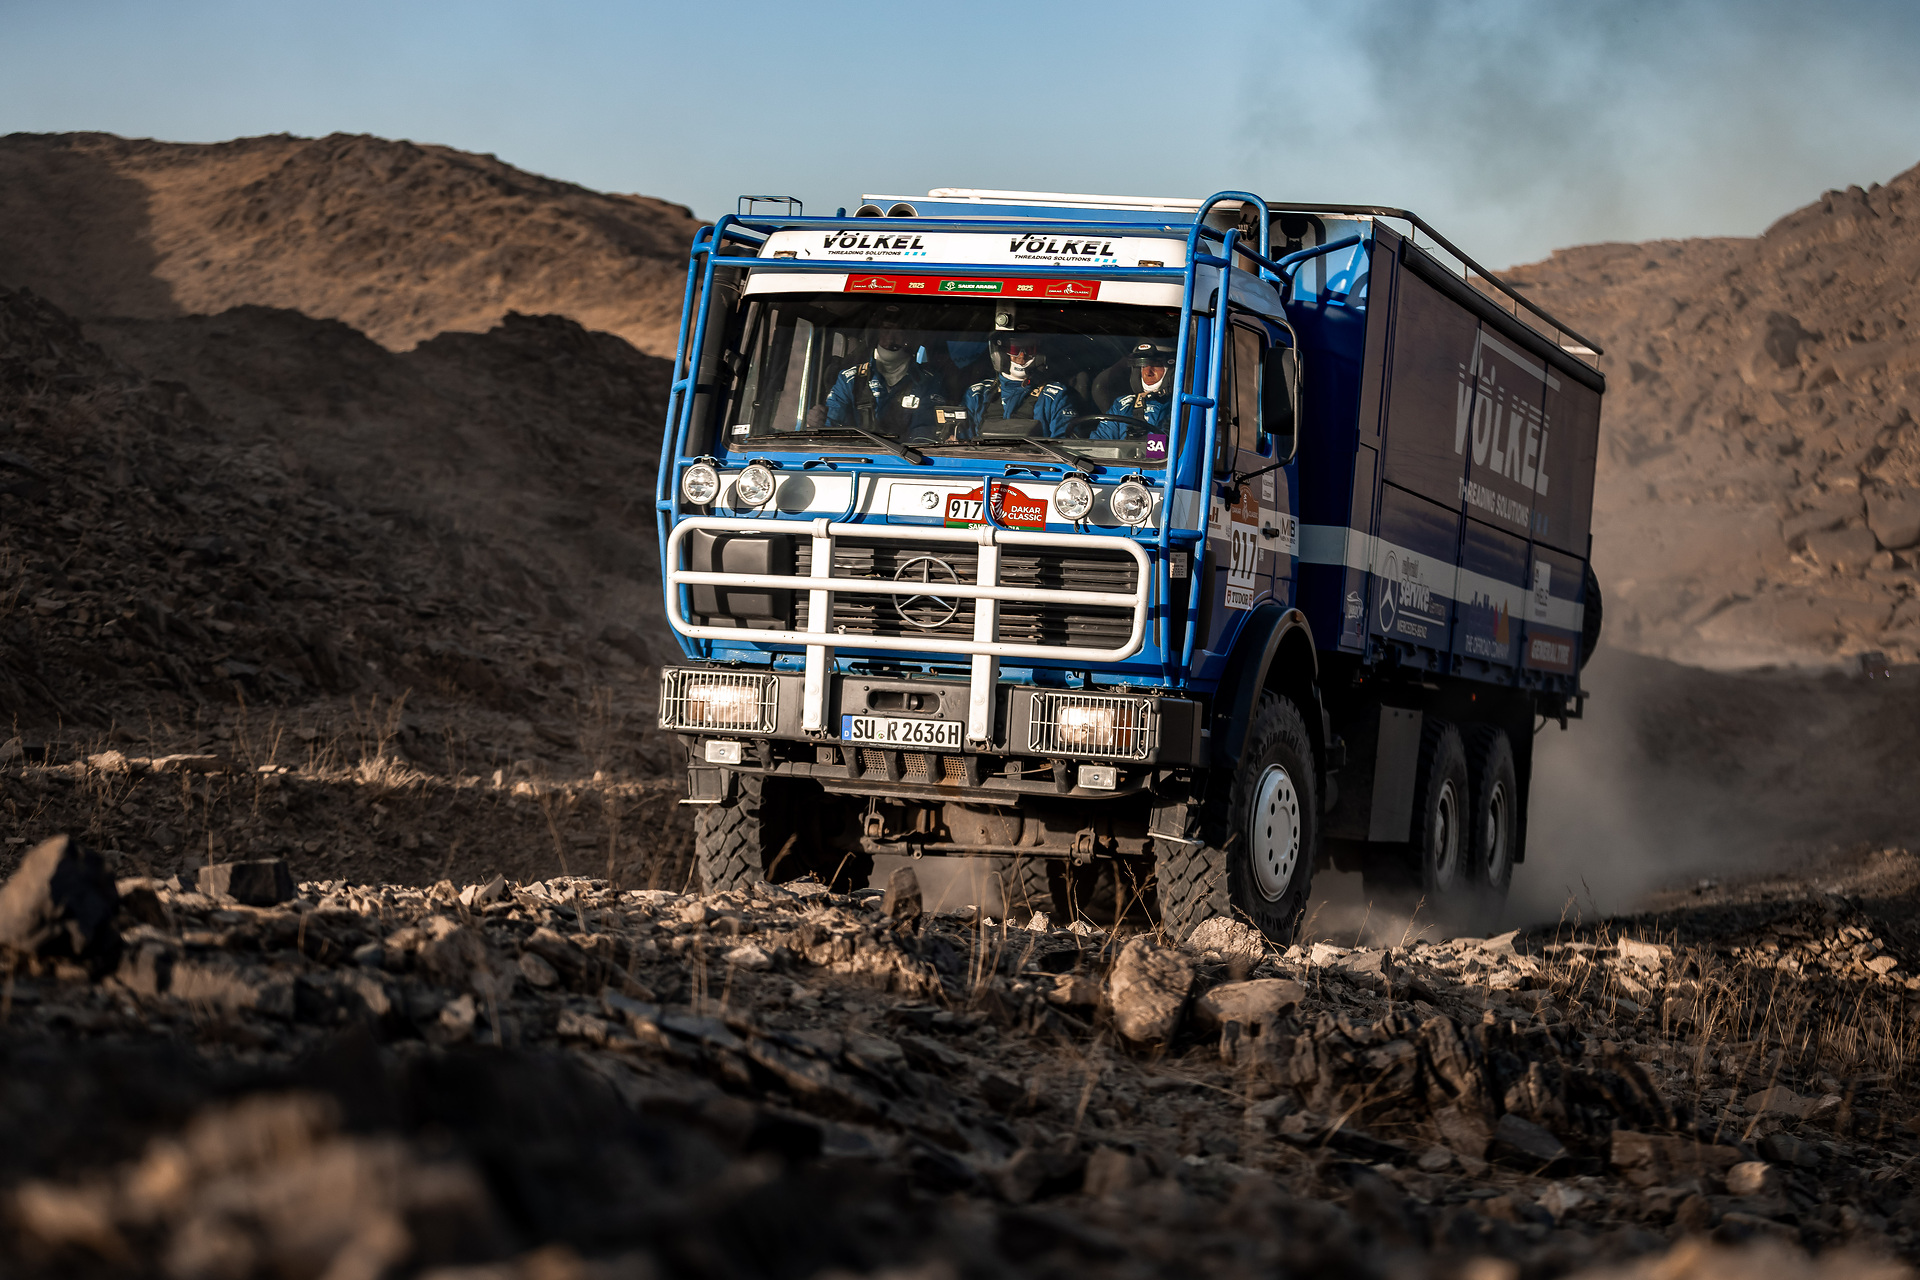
<point>1151,400</point>
<point>1019,400</point>
<point>889,392</point>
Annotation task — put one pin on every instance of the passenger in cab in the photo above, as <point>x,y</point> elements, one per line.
<point>1151,400</point>
<point>889,392</point>
<point>1019,400</point>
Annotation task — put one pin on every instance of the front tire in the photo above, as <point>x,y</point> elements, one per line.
<point>1262,871</point>
<point>736,841</point>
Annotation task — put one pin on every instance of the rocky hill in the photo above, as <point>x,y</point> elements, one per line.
<point>297,547</point>
<point>1759,491</point>
<point>399,240</point>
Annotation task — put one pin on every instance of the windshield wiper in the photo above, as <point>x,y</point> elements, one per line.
<point>888,443</point>
<point>1038,442</point>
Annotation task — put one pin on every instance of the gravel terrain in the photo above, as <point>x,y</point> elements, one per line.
<point>562,1077</point>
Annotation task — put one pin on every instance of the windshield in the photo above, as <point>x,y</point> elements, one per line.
<point>1093,379</point>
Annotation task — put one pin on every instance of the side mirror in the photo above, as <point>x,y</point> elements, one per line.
<point>1280,401</point>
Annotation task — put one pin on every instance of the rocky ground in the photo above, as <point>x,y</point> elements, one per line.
<point>239,1076</point>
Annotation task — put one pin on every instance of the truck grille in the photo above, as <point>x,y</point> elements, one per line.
<point>1020,621</point>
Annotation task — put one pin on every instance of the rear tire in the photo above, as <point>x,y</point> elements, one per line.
<point>1494,826</point>
<point>1441,800</point>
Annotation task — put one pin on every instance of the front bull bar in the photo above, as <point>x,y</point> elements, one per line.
<point>986,649</point>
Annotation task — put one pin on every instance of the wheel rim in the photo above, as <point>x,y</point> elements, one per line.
<point>1496,851</point>
<point>1274,829</point>
<point>1446,836</point>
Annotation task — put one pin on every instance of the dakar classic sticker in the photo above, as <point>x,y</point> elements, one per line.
<point>1012,509</point>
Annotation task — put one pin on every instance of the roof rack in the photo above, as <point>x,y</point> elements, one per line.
<point>1587,345</point>
<point>1582,346</point>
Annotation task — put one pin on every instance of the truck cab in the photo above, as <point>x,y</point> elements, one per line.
<point>1065,530</point>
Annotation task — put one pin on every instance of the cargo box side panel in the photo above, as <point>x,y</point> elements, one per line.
<point>1493,602</point>
<point>1430,397</point>
<point>1570,449</point>
<point>1414,576</point>
<point>1554,612</point>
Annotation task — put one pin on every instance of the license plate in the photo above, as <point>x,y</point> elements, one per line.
<point>900,731</point>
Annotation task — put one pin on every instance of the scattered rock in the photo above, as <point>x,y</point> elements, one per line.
<point>748,957</point>
<point>1752,1178</point>
<point>903,904</point>
<point>1074,990</point>
<point>1522,1137</point>
<point>537,971</point>
<point>1147,990</point>
<point>61,902</point>
<point>1256,1003</point>
<point>1229,938</point>
<point>1785,1149</point>
<point>1111,1171</point>
<point>265,883</point>
<point>1653,1159</point>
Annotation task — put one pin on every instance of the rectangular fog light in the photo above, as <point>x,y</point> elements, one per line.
<point>1099,777</point>
<point>723,753</point>
<point>729,701</point>
<point>1081,724</point>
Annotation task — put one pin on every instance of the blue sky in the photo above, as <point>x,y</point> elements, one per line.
<point>1516,127</point>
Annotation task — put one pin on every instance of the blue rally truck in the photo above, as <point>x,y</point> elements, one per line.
<point>1165,549</point>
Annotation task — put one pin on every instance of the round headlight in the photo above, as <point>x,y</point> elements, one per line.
<point>1073,499</point>
<point>700,484</point>
<point>1131,502</point>
<point>754,486</point>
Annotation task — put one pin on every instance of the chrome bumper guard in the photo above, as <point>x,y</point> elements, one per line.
<point>986,649</point>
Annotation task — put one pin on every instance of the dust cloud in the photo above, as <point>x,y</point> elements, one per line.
<point>1524,128</point>
<point>1677,775</point>
<point>1609,821</point>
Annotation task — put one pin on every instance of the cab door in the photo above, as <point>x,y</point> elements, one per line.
<point>1253,531</point>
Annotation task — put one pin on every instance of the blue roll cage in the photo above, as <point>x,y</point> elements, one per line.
<point>708,256</point>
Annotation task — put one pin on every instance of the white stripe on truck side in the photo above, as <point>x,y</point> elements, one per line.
<point>1339,545</point>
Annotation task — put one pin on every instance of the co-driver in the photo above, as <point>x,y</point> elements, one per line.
<point>1018,395</point>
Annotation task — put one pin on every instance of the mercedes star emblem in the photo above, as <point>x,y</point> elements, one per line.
<point>926,611</point>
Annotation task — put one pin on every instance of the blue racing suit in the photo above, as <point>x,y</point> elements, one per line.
<point>991,400</point>
<point>1153,409</point>
<point>862,398</point>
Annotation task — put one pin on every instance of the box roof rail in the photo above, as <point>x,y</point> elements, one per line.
<point>1585,346</point>
<point>1470,271</point>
